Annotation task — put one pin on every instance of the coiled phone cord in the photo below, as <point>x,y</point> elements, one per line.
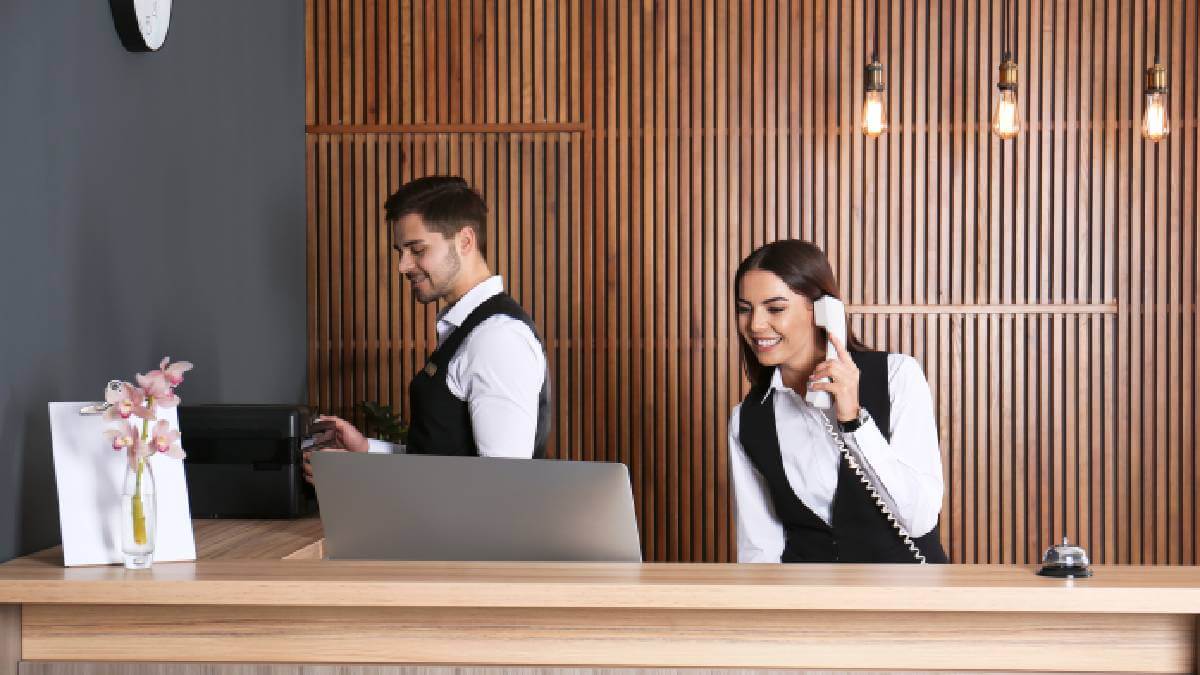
<point>862,477</point>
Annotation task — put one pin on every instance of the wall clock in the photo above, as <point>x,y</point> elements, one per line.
<point>142,24</point>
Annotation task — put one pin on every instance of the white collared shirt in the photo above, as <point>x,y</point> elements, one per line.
<point>498,370</point>
<point>909,467</point>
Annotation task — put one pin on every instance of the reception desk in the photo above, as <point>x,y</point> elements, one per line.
<point>260,594</point>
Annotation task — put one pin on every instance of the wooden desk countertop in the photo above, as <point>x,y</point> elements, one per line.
<point>259,593</point>
<point>240,563</point>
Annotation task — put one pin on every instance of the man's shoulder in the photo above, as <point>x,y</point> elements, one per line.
<point>502,336</point>
<point>499,325</point>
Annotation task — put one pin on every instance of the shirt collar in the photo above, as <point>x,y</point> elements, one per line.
<point>457,313</point>
<point>775,383</point>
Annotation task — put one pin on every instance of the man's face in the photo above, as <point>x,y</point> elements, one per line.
<point>428,259</point>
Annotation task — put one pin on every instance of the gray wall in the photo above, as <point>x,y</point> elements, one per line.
<point>150,205</point>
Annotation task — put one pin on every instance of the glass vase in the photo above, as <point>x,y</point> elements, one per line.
<point>139,515</point>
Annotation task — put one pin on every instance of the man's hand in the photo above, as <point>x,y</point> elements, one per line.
<point>336,435</point>
<point>335,432</point>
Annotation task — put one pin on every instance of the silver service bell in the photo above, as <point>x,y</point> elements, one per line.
<point>1065,560</point>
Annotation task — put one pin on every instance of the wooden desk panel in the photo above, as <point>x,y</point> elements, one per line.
<point>10,638</point>
<point>612,637</point>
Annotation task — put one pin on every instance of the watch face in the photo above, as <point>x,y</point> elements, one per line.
<point>153,19</point>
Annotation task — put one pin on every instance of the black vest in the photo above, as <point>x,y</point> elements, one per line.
<point>858,532</point>
<point>441,423</point>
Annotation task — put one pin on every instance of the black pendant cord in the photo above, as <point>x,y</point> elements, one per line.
<point>1157,29</point>
<point>1004,31</point>
<point>1012,32</point>
<point>875,45</point>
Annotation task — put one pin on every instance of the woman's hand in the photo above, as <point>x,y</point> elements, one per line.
<point>843,384</point>
<point>337,435</point>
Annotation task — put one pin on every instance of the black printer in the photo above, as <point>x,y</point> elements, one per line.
<point>245,461</point>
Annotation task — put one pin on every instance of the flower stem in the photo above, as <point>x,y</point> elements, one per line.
<point>139,512</point>
<point>146,422</point>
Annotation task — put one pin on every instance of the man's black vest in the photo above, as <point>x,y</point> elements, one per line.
<point>441,423</point>
<point>858,532</point>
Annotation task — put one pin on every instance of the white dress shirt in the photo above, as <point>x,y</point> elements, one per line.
<point>498,370</point>
<point>909,467</point>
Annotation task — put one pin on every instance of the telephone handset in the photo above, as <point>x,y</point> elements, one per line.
<point>830,314</point>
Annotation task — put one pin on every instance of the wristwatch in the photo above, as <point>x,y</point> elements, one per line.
<point>856,423</point>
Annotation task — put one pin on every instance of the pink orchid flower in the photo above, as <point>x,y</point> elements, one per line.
<point>140,450</point>
<point>158,389</point>
<point>126,402</point>
<point>123,437</point>
<point>164,439</point>
<point>126,437</point>
<point>173,372</point>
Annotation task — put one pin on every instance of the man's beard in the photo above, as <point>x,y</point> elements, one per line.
<point>437,291</point>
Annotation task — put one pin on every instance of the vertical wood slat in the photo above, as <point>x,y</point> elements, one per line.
<point>714,126</point>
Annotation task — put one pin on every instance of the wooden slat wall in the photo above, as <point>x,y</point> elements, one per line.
<point>633,153</point>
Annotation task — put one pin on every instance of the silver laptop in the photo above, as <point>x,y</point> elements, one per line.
<point>416,507</point>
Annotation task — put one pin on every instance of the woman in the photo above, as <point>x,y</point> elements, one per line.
<point>859,482</point>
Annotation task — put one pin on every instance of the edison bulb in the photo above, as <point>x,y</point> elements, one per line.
<point>1007,119</point>
<point>1155,125</point>
<point>873,120</point>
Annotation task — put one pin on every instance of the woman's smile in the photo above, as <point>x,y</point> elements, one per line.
<point>764,344</point>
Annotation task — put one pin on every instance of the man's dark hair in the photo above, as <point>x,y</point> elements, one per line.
<point>446,204</point>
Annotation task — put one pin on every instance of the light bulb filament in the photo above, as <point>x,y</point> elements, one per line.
<point>1155,125</point>
<point>1006,121</point>
<point>874,121</point>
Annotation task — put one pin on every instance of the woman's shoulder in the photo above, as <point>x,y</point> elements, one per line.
<point>901,361</point>
<point>904,372</point>
<point>901,368</point>
<point>735,417</point>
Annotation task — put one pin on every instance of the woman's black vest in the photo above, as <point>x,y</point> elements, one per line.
<point>858,532</point>
<point>441,423</point>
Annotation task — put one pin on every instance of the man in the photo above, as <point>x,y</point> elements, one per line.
<point>484,391</point>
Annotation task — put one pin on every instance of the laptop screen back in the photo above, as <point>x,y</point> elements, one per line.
<point>420,507</point>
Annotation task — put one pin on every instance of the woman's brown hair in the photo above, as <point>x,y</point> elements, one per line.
<point>805,270</point>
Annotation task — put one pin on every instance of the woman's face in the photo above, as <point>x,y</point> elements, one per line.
<point>774,320</point>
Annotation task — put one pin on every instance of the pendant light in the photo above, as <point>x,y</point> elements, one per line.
<point>1155,125</point>
<point>1006,120</point>
<point>874,117</point>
